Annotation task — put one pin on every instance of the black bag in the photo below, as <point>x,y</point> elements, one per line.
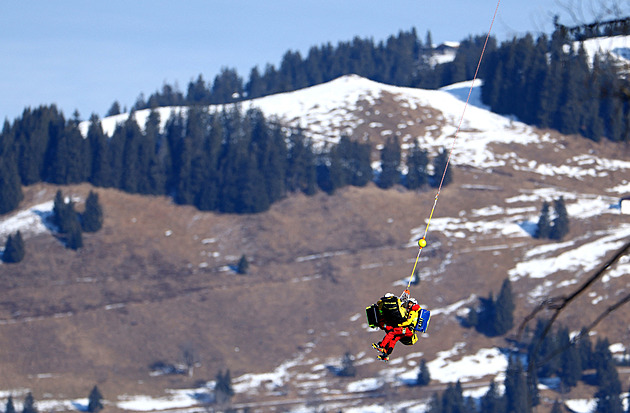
<point>373,316</point>
<point>391,311</point>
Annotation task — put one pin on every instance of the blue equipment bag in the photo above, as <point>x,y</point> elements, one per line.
<point>423,320</point>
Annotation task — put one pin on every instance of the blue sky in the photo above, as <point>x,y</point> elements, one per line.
<point>85,55</point>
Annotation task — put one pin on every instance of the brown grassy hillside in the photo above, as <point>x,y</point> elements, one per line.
<point>155,282</point>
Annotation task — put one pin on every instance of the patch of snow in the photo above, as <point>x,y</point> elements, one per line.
<point>28,222</point>
<point>485,362</point>
<point>581,405</point>
<point>364,385</point>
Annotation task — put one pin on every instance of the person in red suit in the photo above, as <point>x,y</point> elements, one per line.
<point>399,322</point>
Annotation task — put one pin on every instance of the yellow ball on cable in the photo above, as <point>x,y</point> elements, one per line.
<point>422,243</point>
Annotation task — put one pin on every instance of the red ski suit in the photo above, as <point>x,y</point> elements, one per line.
<point>406,329</point>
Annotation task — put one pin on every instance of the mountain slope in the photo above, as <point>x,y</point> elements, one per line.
<point>155,282</point>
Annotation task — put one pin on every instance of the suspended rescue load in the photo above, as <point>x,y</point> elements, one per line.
<point>401,318</point>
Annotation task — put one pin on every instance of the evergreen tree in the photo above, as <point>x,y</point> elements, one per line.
<point>557,407</point>
<point>348,368</point>
<point>10,407</point>
<point>354,165</point>
<point>390,164</point>
<point>301,173</point>
<point>585,350</point>
<point>243,265</point>
<point>29,404</point>
<point>131,172</point>
<point>417,163</point>
<point>560,226</point>
<point>453,400</point>
<point>424,377</point>
<point>32,140</point>
<point>114,109</point>
<point>95,400</point>
<point>435,404</point>
<point>10,186</point>
<point>74,239</point>
<point>223,390</point>
<point>492,401</point>
<point>606,374</point>
<point>197,92</point>
<point>92,218</point>
<point>227,87</point>
<point>543,228</point>
<point>329,172</point>
<point>64,215</point>
<point>570,364</point>
<point>151,174</point>
<point>516,394</point>
<point>98,142</point>
<point>472,318</point>
<point>14,249</point>
<point>504,309</point>
<point>486,316</point>
<point>547,347</point>
<point>439,167</point>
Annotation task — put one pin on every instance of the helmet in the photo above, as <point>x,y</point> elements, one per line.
<point>389,295</point>
<point>413,300</point>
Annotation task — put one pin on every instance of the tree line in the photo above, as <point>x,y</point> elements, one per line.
<point>95,403</point>
<point>568,364</point>
<point>403,59</point>
<point>546,81</point>
<point>549,83</point>
<point>228,161</point>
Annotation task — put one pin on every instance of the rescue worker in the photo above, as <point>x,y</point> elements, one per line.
<point>399,321</point>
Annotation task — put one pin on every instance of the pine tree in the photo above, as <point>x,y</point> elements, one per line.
<point>390,164</point>
<point>92,218</point>
<point>114,109</point>
<point>243,265</point>
<point>64,215</point>
<point>560,226</point>
<point>10,407</point>
<point>492,401</point>
<point>585,350</point>
<point>14,249</point>
<point>439,168</point>
<point>557,407</point>
<point>95,400</point>
<point>544,227</point>
<point>607,378</point>
<point>223,390</point>
<point>348,368</point>
<point>10,184</point>
<point>74,236</point>
<point>435,404</point>
<point>453,399</point>
<point>570,364</point>
<point>504,309</point>
<point>417,163</point>
<point>516,394</point>
<point>29,404</point>
<point>301,174</point>
<point>424,377</point>
<point>486,316</point>
<point>98,142</point>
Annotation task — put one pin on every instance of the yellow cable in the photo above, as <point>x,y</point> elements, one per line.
<point>422,242</point>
